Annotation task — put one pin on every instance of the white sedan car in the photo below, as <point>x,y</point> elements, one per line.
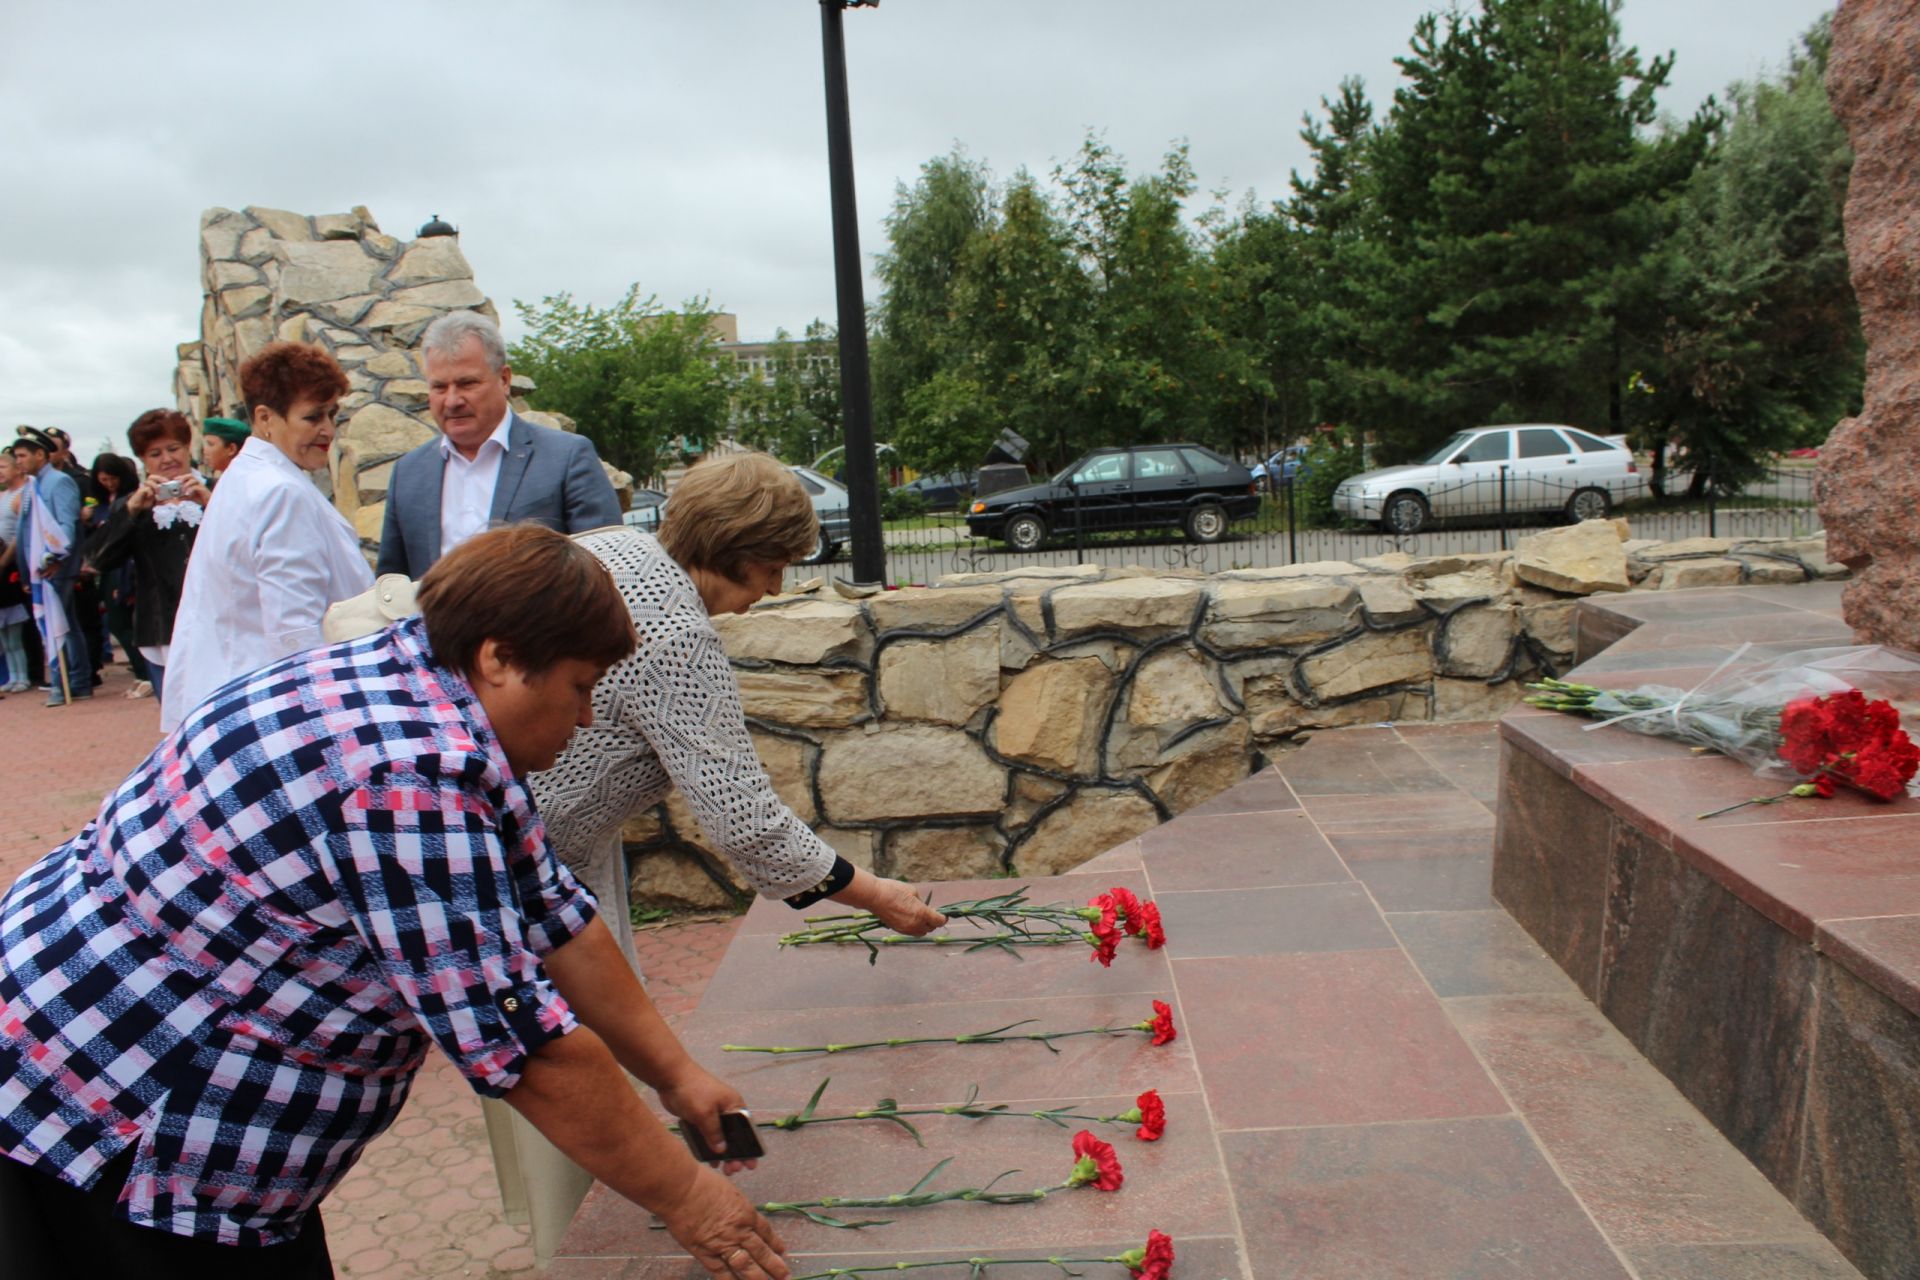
<point>1529,467</point>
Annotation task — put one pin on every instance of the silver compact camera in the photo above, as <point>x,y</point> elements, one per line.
<point>168,490</point>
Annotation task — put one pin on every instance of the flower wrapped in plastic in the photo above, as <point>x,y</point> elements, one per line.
<point>1826,718</point>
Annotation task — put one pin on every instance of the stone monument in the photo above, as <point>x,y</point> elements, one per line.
<point>1869,483</point>
<point>336,280</point>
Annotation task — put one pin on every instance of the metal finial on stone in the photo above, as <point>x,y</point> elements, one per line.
<point>435,227</point>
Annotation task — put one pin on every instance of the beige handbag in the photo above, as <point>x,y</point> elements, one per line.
<point>390,600</point>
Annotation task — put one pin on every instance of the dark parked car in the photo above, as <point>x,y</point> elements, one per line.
<point>948,491</point>
<point>643,512</point>
<point>1184,486</point>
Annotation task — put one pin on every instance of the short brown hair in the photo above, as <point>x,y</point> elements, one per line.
<point>282,372</point>
<point>155,425</point>
<point>542,596</point>
<point>738,510</point>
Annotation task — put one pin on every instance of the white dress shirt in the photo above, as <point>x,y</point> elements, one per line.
<point>271,555</point>
<point>466,487</point>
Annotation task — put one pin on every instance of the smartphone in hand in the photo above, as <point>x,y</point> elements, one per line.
<point>736,1127</point>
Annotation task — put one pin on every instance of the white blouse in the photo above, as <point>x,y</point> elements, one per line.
<point>271,555</point>
<point>669,716</point>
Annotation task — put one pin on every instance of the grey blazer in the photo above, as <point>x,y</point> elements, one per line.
<point>551,477</point>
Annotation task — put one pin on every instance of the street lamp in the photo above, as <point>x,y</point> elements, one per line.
<point>856,391</point>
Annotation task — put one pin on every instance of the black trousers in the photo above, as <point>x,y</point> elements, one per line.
<point>51,1231</point>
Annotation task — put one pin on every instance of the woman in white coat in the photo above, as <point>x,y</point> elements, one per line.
<point>272,552</point>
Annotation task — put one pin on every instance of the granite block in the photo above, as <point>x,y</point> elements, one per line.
<point>1349,1037</point>
<point>1882,951</point>
<point>1550,860</point>
<point>1714,994</point>
<point>1648,1166</point>
<point>1860,1166</point>
<point>1465,1199</point>
<point>1841,858</point>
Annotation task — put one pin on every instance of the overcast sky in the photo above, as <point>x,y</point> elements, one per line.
<point>581,146</point>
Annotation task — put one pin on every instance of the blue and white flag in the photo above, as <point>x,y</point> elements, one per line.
<point>46,540</point>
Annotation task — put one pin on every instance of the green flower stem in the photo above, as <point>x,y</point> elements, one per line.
<point>1009,913</point>
<point>981,1194</point>
<point>1000,1035</point>
<point>1004,938</point>
<point>978,1266</point>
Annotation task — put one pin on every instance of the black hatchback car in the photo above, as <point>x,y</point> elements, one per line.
<point>1184,486</point>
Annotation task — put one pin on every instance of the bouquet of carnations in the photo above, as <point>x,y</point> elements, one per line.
<point>1828,718</point>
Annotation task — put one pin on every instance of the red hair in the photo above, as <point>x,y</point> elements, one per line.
<point>282,372</point>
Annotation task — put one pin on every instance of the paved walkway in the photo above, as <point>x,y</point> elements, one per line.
<point>423,1201</point>
<point>1380,1076</point>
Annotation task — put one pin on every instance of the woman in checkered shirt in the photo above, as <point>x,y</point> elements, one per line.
<point>215,996</point>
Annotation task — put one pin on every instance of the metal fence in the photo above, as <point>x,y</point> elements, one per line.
<point>1473,516</point>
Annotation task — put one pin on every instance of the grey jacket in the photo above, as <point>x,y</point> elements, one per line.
<point>547,476</point>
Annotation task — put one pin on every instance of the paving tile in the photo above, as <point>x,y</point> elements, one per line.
<point>1464,1199</point>
<point>1270,921</point>
<point>1814,1260</point>
<point>1862,1136</point>
<point>1807,630</point>
<point>1858,862</point>
<point>1550,864</point>
<point>1122,857</point>
<point>1264,792</point>
<point>1176,1185</point>
<point>1476,953</point>
<point>1238,851</point>
<point>760,975</point>
<point>1433,811</point>
<point>940,1073</point>
<point>1348,1037</point>
<point>1197,1256</point>
<point>1716,996</point>
<point>1470,761</point>
<point>1647,1165</point>
<point>1882,951</point>
<point>1443,870</point>
<point>1359,762</point>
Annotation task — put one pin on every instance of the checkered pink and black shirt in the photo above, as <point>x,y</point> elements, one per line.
<point>236,967</point>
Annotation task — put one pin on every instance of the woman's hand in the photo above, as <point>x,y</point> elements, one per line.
<point>724,1232</point>
<point>699,1098</point>
<point>194,490</point>
<point>144,498</point>
<point>893,903</point>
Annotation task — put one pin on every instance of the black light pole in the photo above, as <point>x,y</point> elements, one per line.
<point>856,392</point>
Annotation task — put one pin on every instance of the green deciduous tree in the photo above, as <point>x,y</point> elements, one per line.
<point>1760,345</point>
<point>793,412</point>
<point>642,383</point>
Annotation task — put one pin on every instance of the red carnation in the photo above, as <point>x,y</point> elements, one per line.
<point>1162,1024</point>
<point>1096,1163</point>
<point>1153,1116</point>
<point>1128,905</point>
<point>1150,929</point>
<point>1824,786</point>
<point>1106,930</point>
<point>1157,1264</point>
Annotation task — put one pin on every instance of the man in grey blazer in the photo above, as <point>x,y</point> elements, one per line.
<point>490,466</point>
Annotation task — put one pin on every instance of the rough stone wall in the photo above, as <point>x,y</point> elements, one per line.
<point>1869,481</point>
<point>336,280</point>
<point>1028,720</point>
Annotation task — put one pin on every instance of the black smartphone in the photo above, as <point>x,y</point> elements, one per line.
<point>743,1142</point>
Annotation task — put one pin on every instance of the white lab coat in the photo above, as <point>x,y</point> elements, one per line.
<point>271,555</point>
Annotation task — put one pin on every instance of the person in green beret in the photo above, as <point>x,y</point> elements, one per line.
<point>220,443</point>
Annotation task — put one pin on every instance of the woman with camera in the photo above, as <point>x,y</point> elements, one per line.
<point>154,528</point>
